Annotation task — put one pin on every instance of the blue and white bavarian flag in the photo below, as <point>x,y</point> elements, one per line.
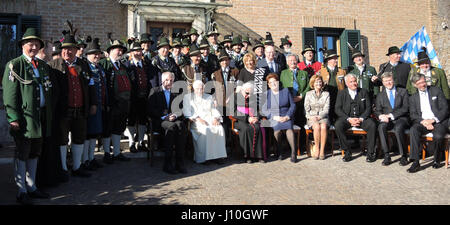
<point>415,44</point>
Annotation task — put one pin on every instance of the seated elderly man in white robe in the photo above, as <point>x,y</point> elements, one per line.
<point>207,132</point>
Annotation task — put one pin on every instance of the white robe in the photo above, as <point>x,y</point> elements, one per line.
<point>209,140</point>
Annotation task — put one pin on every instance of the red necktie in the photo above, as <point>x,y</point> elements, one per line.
<point>35,63</point>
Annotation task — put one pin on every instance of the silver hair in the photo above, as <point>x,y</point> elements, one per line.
<point>349,75</point>
<point>197,83</point>
<point>416,77</point>
<point>291,54</point>
<point>165,74</point>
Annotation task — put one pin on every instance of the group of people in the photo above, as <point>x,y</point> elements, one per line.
<point>86,95</point>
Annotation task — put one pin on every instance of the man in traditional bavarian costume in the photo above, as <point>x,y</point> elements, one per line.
<point>195,70</point>
<point>77,101</point>
<point>141,73</point>
<point>81,46</point>
<point>176,54</point>
<point>146,44</point>
<point>209,61</point>
<point>95,121</point>
<point>119,91</point>
<point>27,96</point>
<point>309,64</point>
<point>236,56</point>
<point>193,35</point>
<point>258,49</point>
<point>279,57</point>
<point>213,41</point>
<point>394,65</point>
<point>163,62</point>
<point>433,75</point>
<point>56,50</point>
<point>333,78</point>
<point>245,44</point>
<point>226,43</point>
<point>364,74</point>
<point>286,45</point>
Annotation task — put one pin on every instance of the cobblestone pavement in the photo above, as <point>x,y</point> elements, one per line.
<point>309,181</point>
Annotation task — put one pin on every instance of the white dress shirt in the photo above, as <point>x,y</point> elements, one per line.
<point>425,107</point>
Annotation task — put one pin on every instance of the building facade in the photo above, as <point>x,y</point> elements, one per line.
<point>374,24</point>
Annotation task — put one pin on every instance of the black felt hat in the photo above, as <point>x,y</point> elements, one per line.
<point>93,47</point>
<point>392,50</point>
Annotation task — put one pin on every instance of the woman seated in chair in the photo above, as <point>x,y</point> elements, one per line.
<point>248,124</point>
<point>207,132</point>
<point>317,104</point>
<point>279,109</point>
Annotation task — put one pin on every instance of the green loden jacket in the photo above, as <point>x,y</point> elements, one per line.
<point>438,79</point>
<point>365,80</point>
<point>21,96</point>
<point>287,80</point>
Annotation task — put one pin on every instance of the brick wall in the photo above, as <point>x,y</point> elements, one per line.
<point>384,23</point>
<point>91,17</point>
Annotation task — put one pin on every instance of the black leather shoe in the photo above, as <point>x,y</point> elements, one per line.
<point>80,173</point>
<point>108,158</point>
<point>437,165</point>
<point>220,161</point>
<point>414,167</point>
<point>347,156</point>
<point>133,149</point>
<point>38,194</point>
<point>403,161</point>
<point>24,199</point>
<point>293,159</point>
<point>387,161</point>
<point>169,170</point>
<point>121,157</point>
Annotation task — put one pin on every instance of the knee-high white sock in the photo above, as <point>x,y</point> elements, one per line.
<point>20,171</point>
<point>115,139</point>
<point>106,144</point>
<point>141,132</point>
<point>85,155</point>
<point>63,150</point>
<point>77,152</point>
<point>130,132</point>
<point>92,143</point>
<point>31,174</point>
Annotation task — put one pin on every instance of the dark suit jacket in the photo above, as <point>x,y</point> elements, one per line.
<point>401,105</point>
<point>438,105</point>
<point>84,74</point>
<point>211,65</point>
<point>263,64</point>
<point>157,106</point>
<point>343,109</point>
<point>401,72</point>
<point>134,77</point>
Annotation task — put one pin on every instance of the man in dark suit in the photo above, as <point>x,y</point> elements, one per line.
<point>398,68</point>
<point>429,113</point>
<point>353,109</point>
<point>269,62</point>
<point>209,61</point>
<point>169,123</point>
<point>392,111</point>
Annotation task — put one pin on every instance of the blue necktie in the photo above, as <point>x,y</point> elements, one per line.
<point>391,98</point>
<point>295,83</point>
<point>167,94</point>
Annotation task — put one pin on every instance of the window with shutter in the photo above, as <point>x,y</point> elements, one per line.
<point>353,38</point>
<point>309,38</point>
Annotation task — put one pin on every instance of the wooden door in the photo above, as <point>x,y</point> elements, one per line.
<point>155,29</point>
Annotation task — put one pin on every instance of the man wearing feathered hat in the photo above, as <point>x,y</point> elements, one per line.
<point>236,55</point>
<point>433,75</point>
<point>195,70</point>
<point>119,91</point>
<point>164,62</point>
<point>77,102</point>
<point>209,60</point>
<point>28,99</point>
<point>364,73</point>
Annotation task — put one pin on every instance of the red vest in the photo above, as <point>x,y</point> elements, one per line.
<point>311,69</point>
<point>123,84</point>
<point>75,92</point>
<point>142,78</point>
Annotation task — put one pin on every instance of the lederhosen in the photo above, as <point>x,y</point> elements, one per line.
<point>75,119</point>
